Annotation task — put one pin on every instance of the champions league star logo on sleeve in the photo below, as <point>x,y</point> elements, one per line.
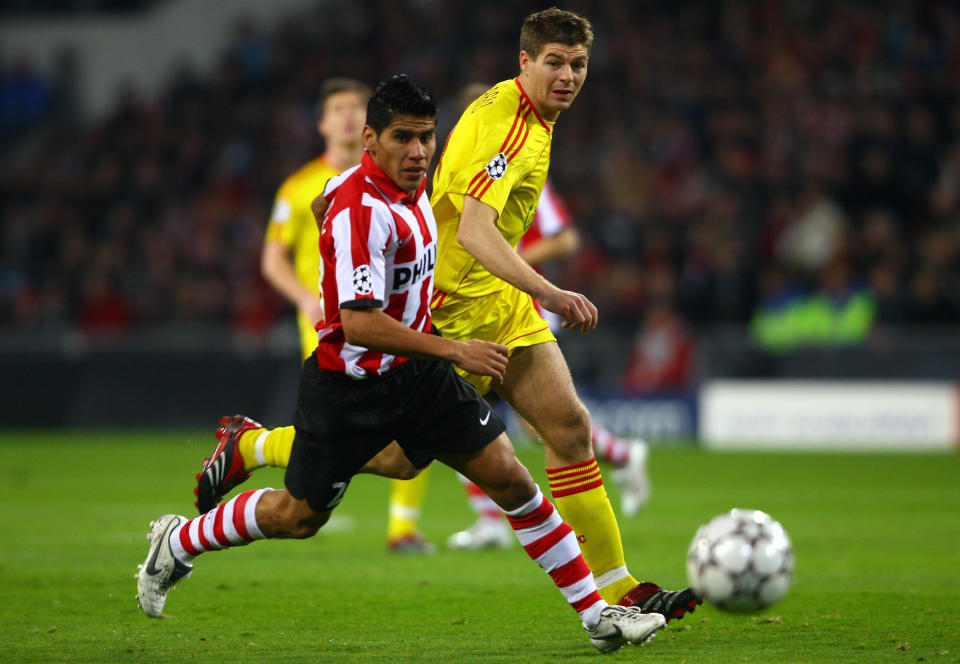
<point>362,280</point>
<point>497,167</point>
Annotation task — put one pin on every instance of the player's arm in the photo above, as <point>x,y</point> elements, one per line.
<point>479,235</point>
<point>319,207</point>
<point>552,247</point>
<point>277,268</point>
<point>370,328</point>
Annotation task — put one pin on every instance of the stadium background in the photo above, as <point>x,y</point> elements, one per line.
<point>766,190</point>
<point>768,196</point>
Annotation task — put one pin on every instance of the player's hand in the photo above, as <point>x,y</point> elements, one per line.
<point>577,311</point>
<point>483,357</point>
<point>319,207</point>
<point>312,309</point>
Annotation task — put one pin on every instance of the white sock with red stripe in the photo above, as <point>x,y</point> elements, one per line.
<point>234,523</point>
<point>610,447</point>
<point>480,502</point>
<point>553,545</point>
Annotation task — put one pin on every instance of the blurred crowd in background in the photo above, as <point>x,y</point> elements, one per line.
<point>792,167</point>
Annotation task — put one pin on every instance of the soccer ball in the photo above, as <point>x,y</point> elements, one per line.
<point>740,561</point>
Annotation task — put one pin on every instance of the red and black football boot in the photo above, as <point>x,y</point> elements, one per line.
<point>224,469</point>
<point>671,604</point>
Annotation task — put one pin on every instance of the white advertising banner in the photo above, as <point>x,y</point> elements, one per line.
<point>830,414</point>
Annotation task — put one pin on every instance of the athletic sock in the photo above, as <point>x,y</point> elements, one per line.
<point>610,447</point>
<point>552,544</point>
<point>482,505</point>
<point>234,523</point>
<point>406,500</point>
<point>584,504</point>
<point>266,447</point>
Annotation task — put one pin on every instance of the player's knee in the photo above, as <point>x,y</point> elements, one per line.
<point>512,487</point>
<point>571,431</point>
<point>518,493</point>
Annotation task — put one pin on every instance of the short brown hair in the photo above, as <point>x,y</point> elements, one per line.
<point>554,26</point>
<point>470,92</point>
<point>334,86</point>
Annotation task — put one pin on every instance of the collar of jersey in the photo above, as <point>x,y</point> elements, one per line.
<point>530,101</point>
<point>393,193</point>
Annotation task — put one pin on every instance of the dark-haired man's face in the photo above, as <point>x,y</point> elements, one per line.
<point>403,149</point>
<point>554,78</point>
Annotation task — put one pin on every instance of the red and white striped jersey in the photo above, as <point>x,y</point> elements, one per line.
<point>378,247</point>
<point>550,218</point>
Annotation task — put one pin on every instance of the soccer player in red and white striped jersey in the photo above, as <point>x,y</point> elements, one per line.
<point>379,375</point>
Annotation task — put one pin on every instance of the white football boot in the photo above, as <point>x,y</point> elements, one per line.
<point>160,571</point>
<point>483,534</point>
<point>633,479</point>
<point>619,625</point>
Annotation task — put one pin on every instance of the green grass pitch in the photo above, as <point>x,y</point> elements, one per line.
<point>876,537</point>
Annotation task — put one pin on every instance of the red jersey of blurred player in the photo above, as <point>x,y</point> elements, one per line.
<point>550,237</point>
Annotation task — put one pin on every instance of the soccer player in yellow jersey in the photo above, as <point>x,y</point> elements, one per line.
<point>485,191</point>
<point>290,262</point>
<point>551,236</point>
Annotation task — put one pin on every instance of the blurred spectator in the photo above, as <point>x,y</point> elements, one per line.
<point>661,357</point>
<point>815,236</point>
<point>103,309</point>
<point>25,97</point>
<point>840,311</point>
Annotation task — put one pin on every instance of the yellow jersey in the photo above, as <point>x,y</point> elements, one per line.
<point>292,224</point>
<point>499,153</point>
<point>291,221</point>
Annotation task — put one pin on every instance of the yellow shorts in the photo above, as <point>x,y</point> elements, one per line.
<point>506,317</point>
<point>308,335</point>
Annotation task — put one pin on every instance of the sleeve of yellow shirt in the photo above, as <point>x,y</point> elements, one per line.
<point>283,225</point>
<point>292,223</point>
<point>496,133</point>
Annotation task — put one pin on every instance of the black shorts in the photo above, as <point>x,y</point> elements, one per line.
<point>342,423</point>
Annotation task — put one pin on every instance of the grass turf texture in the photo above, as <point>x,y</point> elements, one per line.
<point>877,541</point>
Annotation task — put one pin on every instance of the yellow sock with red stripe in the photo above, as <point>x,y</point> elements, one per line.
<point>406,499</point>
<point>580,497</point>
<point>266,447</point>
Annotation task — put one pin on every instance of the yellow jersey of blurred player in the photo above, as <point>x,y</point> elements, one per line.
<point>290,260</point>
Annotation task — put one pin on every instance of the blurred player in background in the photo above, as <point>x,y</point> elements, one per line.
<point>290,262</point>
<point>380,372</point>
<point>552,237</point>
